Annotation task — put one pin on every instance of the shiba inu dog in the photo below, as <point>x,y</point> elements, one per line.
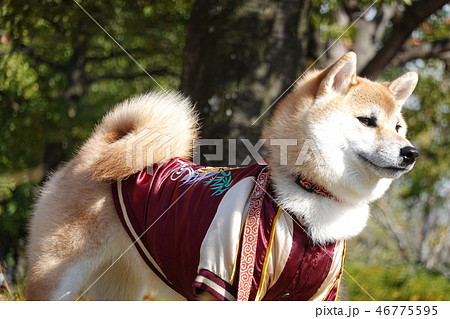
<point>104,224</point>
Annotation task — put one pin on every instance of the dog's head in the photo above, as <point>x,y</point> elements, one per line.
<point>352,126</point>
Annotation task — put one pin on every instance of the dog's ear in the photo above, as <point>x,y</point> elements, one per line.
<point>340,76</point>
<point>403,86</point>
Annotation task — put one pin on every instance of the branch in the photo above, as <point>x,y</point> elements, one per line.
<point>130,76</point>
<point>401,30</point>
<point>383,219</point>
<point>32,54</point>
<point>114,54</point>
<point>28,175</point>
<point>426,50</point>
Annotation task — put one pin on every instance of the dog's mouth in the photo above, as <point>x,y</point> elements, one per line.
<point>391,171</point>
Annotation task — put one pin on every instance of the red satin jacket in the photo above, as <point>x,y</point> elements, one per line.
<point>186,221</point>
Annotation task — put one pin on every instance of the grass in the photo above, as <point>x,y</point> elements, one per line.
<point>400,282</point>
<point>15,294</point>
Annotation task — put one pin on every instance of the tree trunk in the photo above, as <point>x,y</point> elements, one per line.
<point>259,43</point>
<point>206,28</point>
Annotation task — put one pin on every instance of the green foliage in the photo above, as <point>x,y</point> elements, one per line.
<point>436,28</point>
<point>60,73</point>
<point>323,17</point>
<point>400,282</point>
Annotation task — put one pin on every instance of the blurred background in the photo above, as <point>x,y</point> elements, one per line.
<point>60,72</point>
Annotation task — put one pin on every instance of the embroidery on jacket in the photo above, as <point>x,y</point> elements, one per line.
<point>219,183</point>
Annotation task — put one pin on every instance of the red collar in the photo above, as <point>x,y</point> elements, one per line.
<point>310,187</point>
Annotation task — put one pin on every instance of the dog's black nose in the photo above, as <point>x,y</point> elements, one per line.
<point>409,154</point>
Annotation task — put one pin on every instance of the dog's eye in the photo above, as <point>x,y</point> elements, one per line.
<point>368,121</point>
<point>398,127</point>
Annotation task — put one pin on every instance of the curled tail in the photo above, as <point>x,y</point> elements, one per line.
<point>140,132</point>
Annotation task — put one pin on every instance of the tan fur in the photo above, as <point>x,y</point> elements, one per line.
<point>76,237</point>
